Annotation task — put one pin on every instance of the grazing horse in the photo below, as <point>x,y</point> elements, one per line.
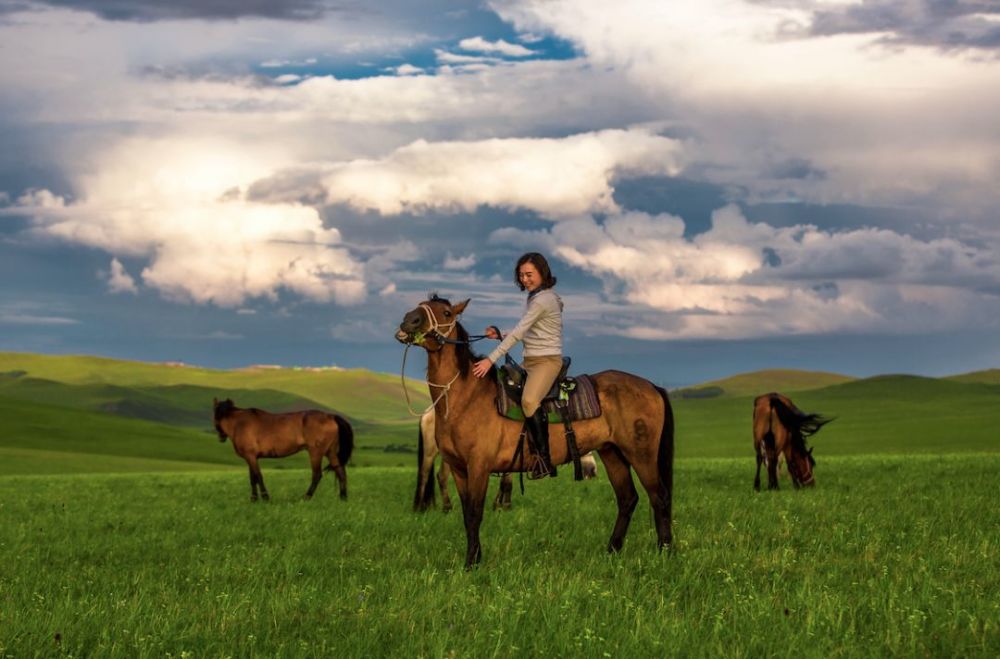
<point>780,429</point>
<point>427,451</point>
<point>258,434</point>
<point>634,431</point>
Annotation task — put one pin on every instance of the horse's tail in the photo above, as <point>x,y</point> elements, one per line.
<point>798,423</point>
<point>665,455</point>
<point>345,440</point>
<point>423,498</point>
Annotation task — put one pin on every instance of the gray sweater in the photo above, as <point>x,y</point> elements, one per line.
<point>540,328</point>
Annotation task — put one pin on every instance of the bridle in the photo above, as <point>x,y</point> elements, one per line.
<point>434,330</point>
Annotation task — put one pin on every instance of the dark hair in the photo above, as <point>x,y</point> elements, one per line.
<point>537,260</point>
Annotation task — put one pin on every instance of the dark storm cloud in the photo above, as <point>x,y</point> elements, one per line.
<point>946,24</point>
<point>144,11</point>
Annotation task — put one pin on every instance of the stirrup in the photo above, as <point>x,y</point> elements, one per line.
<point>541,469</point>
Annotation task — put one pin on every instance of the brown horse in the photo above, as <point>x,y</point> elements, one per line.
<point>258,434</point>
<point>635,430</point>
<point>780,429</point>
<point>427,451</point>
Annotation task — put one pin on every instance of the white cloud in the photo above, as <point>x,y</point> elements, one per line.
<point>119,280</point>
<point>407,70</point>
<point>885,125</point>
<point>554,177</point>
<point>459,262</point>
<point>720,283</point>
<point>500,47</point>
<point>171,202</point>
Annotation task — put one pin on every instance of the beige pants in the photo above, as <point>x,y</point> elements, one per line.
<point>542,372</point>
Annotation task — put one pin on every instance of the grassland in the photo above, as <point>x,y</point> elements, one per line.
<point>126,530</point>
<point>890,556</point>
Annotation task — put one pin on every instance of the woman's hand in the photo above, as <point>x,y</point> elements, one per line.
<point>482,367</point>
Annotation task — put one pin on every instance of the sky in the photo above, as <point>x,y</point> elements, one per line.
<point>719,185</point>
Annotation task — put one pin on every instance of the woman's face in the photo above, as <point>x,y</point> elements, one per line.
<point>528,275</point>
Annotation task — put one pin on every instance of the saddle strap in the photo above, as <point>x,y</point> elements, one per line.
<point>571,447</point>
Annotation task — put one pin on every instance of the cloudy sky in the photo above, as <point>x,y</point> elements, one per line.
<point>721,185</point>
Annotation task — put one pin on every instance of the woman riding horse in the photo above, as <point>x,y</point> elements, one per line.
<point>541,330</point>
<point>634,431</point>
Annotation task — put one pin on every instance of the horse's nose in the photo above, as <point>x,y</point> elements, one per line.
<point>411,322</point>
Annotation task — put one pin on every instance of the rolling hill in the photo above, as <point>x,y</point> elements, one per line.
<point>84,414</point>
<point>759,382</point>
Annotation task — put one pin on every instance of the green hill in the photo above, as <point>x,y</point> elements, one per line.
<point>988,376</point>
<point>135,412</point>
<point>884,414</point>
<point>84,414</point>
<point>755,383</point>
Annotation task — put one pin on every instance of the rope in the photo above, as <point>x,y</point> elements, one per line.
<point>434,402</point>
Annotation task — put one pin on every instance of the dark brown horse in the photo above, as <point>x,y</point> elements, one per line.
<point>427,452</point>
<point>258,434</point>
<point>635,431</point>
<point>780,429</point>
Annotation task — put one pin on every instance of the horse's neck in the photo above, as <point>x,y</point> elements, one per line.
<point>442,369</point>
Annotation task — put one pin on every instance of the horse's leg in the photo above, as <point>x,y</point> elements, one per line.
<point>772,469</point>
<point>659,500</point>
<point>502,499</point>
<point>338,469</point>
<point>443,486</point>
<point>316,461</point>
<point>253,482</point>
<point>760,459</point>
<point>472,486</point>
<point>620,477</point>
<point>255,474</point>
<point>341,474</point>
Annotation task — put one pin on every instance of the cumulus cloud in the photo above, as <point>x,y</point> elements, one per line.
<point>155,10</point>
<point>554,177</point>
<point>946,25</point>
<point>499,47</point>
<point>742,279</point>
<point>459,262</point>
<point>874,124</point>
<point>170,203</point>
<point>119,280</point>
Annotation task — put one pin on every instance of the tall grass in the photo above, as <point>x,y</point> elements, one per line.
<point>889,555</point>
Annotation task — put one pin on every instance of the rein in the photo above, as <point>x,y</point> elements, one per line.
<point>434,331</point>
<point>443,394</point>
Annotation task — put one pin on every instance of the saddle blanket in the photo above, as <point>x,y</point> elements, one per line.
<point>582,402</point>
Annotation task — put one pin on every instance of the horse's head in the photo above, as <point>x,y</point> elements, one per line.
<point>800,465</point>
<point>220,410</point>
<point>429,322</point>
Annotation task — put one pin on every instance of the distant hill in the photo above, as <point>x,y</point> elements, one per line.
<point>127,414</point>
<point>988,376</point>
<point>89,414</point>
<point>755,383</point>
<point>356,393</point>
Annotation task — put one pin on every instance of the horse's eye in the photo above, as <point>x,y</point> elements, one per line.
<point>447,314</point>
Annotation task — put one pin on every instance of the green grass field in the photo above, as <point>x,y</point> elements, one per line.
<point>126,529</point>
<point>889,556</point>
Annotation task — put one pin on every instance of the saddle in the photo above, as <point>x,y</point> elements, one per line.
<point>569,399</point>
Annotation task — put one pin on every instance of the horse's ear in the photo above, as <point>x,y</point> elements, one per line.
<point>460,307</point>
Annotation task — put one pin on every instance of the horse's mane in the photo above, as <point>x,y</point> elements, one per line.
<point>463,349</point>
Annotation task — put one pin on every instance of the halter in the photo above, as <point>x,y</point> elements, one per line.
<point>434,330</point>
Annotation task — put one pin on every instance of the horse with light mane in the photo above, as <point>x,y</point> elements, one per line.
<point>634,431</point>
<point>780,429</point>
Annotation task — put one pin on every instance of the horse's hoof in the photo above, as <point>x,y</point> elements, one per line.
<point>306,497</point>
<point>253,499</point>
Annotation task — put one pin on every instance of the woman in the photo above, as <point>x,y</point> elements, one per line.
<point>541,330</point>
